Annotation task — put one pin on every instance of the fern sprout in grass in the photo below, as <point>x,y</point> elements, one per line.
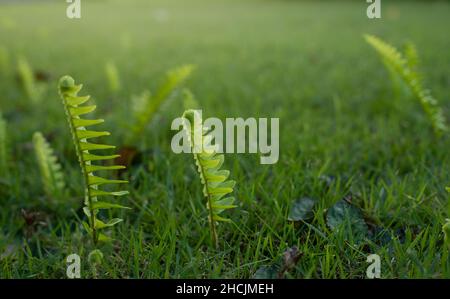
<point>216,186</point>
<point>405,67</point>
<point>51,171</point>
<point>29,85</point>
<point>74,108</point>
<point>3,148</point>
<point>173,79</point>
<point>412,57</point>
<point>112,74</point>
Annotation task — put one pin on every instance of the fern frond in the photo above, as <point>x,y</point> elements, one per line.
<point>405,68</point>
<point>112,74</point>
<point>216,186</point>
<point>51,171</point>
<point>3,147</point>
<point>73,105</point>
<point>174,78</point>
<point>411,55</point>
<point>189,100</point>
<point>29,85</point>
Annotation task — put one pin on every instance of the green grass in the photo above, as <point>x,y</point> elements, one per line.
<point>343,131</point>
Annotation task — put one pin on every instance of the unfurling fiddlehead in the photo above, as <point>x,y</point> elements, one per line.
<point>80,135</point>
<point>216,187</point>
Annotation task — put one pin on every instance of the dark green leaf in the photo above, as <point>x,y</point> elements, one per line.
<point>343,216</point>
<point>302,209</point>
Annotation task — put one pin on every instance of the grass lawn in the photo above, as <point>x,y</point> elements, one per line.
<point>346,133</point>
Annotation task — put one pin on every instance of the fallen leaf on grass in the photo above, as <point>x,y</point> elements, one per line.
<point>290,259</point>
<point>302,209</point>
<point>344,216</point>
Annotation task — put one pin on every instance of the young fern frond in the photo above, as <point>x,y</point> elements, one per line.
<point>29,85</point>
<point>216,187</point>
<point>406,69</point>
<point>3,148</point>
<point>174,78</point>
<point>411,55</point>
<point>51,171</point>
<point>74,108</point>
<point>112,74</point>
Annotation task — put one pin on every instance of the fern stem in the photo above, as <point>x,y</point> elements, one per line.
<point>212,227</point>
<point>91,209</point>
<point>86,184</point>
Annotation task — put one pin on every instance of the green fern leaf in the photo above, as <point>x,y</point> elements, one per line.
<point>31,88</point>
<point>405,68</point>
<point>216,186</point>
<point>411,55</point>
<point>51,171</point>
<point>80,135</point>
<point>174,78</point>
